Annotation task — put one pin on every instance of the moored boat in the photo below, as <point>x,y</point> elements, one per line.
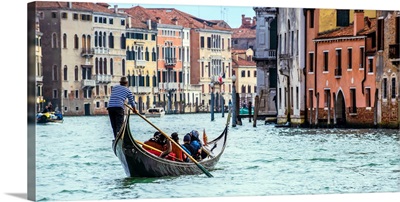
<point>49,117</point>
<point>138,162</point>
<point>155,112</point>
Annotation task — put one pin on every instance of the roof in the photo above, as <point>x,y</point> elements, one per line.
<point>83,6</point>
<point>172,16</point>
<point>348,31</point>
<point>244,33</point>
<point>242,62</point>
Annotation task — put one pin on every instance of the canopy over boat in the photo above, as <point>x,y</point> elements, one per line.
<point>138,162</point>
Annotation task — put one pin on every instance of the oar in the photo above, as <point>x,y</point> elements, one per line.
<point>187,154</point>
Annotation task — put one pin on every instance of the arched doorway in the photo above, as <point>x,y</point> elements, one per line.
<point>340,109</point>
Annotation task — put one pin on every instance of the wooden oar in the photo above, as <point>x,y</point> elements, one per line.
<point>162,132</point>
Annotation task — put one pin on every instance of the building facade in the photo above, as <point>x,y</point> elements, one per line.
<point>388,69</point>
<point>341,69</point>
<point>290,60</point>
<point>265,58</point>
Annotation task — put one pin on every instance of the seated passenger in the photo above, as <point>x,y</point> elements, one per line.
<point>154,142</point>
<point>187,147</point>
<point>175,149</point>
<point>196,144</point>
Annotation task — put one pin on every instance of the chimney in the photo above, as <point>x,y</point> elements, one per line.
<point>358,21</point>
<point>254,20</point>
<point>243,19</point>
<point>69,4</point>
<point>159,20</point>
<point>149,23</point>
<point>115,8</point>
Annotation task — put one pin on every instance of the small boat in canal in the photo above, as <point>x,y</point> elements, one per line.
<point>156,112</point>
<point>139,162</point>
<point>49,117</point>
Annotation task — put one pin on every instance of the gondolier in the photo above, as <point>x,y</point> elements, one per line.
<point>119,94</point>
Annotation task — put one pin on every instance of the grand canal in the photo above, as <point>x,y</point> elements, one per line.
<point>75,161</point>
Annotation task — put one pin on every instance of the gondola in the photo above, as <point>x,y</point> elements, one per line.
<point>137,162</point>
<point>49,117</point>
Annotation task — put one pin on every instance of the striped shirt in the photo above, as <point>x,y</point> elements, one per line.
<point>118,96</point>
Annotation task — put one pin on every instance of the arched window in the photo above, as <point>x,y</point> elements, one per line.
<point>65,40</point>
<point>153,55</point>
<point>104,39</point>
<point>55,73</point>
<point>243,89</point>
<point>123,67</point>
<point>101,66</point>
<point>100,40</point>
<point>76,41</point>
<point>96,38</point>
<point>243,73</point>
<point>65,73</point>
<point>54,40</point>
<point>123,41</point>
<point>83,42</point>
<point>393,88</point>
<point>111,40</point>
<point>97,65</point>
<point>88,42</point>
<point>76,73</point>
<point>147,54</point>
<point>111,66</point>
<point>105,65</point>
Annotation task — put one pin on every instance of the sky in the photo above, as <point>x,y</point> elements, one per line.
<point>13,173</point>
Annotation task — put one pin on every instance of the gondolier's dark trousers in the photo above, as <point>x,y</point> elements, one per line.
<point>116,115</point>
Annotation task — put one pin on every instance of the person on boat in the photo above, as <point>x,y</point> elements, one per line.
<point>196,143</point>
<point>166,146</point>
<point>154,142</point>
<point>46,109</point>
<point>187,147</point>
<point>175,149</point>
<point>116,109</point>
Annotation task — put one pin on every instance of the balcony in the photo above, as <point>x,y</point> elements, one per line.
<point>155,90</point>
<point>170,86</point>
<point>88,83</point>
<point>140,63</point>
<point>394,53</point>
<point>338,73</point>
<point>87,52</point>
<point>103,78</point>
<point>265,54</point>
<point>170,62</point>
<point>39,79</point>
<point>101,50</point>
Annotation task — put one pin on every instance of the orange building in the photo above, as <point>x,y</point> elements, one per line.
<point>341,72</point>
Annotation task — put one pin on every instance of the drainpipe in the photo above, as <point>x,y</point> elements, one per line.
<point>329,109</point>
<point>305,67</point>
<point>315,81</point>
<point>365,68</point>
<point>334,109</point>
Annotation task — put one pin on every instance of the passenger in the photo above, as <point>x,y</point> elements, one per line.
<point>187,147</point>
<point>196,144</point>
<point>166,146</point>
<point>154,142</point>
<point>175,149</point>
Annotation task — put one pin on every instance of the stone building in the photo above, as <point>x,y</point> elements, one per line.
<point>290,60</point>
<point>265,58</point>
<point>388,69</point>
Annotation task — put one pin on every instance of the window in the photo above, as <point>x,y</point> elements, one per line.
<point>384,88</point>
<point>53,14</point>
<point>76,16</point>
<point>55,93</point>
<point>248,73</point>
<point>297,97</point>
<point>243,73</point>
<point>338,70</point>
<point>55,73</point>
<point>350,56</point>
<point>123,42</point>
<point>311,62</point>
<point>65,93</point>
<point>54,42</point>
<point>64,15</point>
<point>65,73</point>
<point>380,34</point>
<point>312,18</point>
<point>76,73</point>
<point>393,88</point>
<point>255,74</point>
<point>368,97</point>
<point>105,104</point>
<point>362,58</point>
<point>370,65</point>
<point>111,40</point>
<point>122,22</point>
<point>280,98</point>
<point>353,98</point>
<point>97,104</point>
<point>111,21</point>
<point>327,93</point>
<point>76,93</point>
<point>112,66</point>
<point>76,41</point>
<point>64,40</point>
<point>326,61</point>
<point>249,89</point>
<point>342,18</point>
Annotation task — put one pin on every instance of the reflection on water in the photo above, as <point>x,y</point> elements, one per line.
<point>75,160</point>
